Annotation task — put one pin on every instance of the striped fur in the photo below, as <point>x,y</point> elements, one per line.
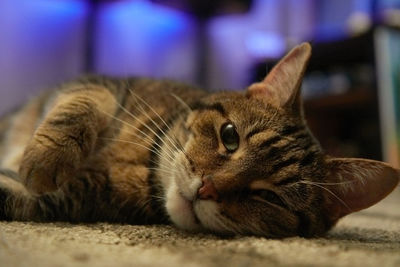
<point>138,151</point>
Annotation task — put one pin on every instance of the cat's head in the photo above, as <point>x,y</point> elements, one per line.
<point>250,165</point>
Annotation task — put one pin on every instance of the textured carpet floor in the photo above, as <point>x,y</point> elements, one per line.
<point>368,238</point>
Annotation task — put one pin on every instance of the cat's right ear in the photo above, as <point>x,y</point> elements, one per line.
<point>354,184</point>
<point>281,87</point>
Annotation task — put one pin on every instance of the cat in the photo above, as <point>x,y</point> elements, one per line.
<point>144,151</point>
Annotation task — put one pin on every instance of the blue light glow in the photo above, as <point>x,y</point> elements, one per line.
<point>142,38</point>
<point>262,44</point>
<point>363,6</point>
<point>389,4</point>
<point>43,43</point>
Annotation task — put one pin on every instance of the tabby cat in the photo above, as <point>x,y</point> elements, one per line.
<point>142,151</point>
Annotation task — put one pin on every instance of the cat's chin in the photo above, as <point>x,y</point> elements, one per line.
<point>180,210</point>
<point>208,213</point>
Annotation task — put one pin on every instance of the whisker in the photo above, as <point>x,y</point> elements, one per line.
<point>157,197</point>
<point>327,190</point>
<point>162,170</point>
<point>134,143</point>
<point>150,160</point>
<point>136,128</point>
<point>224,224</point>
<point>182,149</point>
<point>145,140</point>
<point>159,164</point>
<point>338,183</point>
<point>151,108</point>
<point>142,206</point>
<point>157,114</point>
<point>229,224</point>
<point>138,136</point>
<point>144,124</point>
<point>180,100</point>
<point>173,142</point>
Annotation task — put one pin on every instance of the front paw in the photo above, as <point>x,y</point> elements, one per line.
<point>10,189</point>
<point>48,161</point>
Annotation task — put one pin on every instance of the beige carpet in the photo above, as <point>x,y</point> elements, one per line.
<point>368,238</point>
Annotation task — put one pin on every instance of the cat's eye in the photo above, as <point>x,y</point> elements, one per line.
<point>229,137</point>
<point>269,196</point>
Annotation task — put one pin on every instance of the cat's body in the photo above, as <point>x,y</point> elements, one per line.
<point>144,151</point>
<point>121,156</point>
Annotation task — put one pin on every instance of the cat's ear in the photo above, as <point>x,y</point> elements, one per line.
<point>355,184</point>
<point>281,87</point>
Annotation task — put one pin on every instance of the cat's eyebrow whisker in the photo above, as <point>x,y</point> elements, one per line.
<point>327,190</point>
<point>134,143</point>
<point>141,122</point>
<point>156,113</point>
<point>175,142</point>
<point>150,107</point>
<point>145,140</point>
<point>182,149</point>
<point>177,145</point>
<point>136,128</point>
<point>131,142</point>
<point>128,124</point>
<point>180,100</point>
<point>137,135</point>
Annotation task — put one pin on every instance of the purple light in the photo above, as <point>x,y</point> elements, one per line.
<point>265,44</point>
<point>145,39</point>
<point>42,44</point>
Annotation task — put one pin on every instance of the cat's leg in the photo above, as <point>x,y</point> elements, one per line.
<point>11,192</point>
<point>73,201</point>
<point>66,136</point>
<point>95,194</point>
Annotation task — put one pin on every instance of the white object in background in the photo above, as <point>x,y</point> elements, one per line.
<point>387,56</point>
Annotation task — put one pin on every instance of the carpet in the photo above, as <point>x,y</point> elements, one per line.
<point>367,238</point>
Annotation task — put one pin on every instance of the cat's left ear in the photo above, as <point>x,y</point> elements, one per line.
<point>281,87</point>
<point>354,184</point>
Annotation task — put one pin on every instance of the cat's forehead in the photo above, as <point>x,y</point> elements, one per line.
<point>246,113</point>
<point>238,103</point>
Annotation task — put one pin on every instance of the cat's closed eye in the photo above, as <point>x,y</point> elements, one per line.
<point>268,196</point>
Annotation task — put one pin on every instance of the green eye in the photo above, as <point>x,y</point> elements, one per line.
<point>229,137</point>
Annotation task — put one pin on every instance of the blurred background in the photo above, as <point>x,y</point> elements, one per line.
<point>351,89</point>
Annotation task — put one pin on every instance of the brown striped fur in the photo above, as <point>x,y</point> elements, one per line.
<point>145,151</point>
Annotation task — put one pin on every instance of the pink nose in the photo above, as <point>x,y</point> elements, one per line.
<point>207,191</point>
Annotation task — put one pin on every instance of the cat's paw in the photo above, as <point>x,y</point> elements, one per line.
<point>9,189</point>
<point>49,160</point>
<point>3,197</point>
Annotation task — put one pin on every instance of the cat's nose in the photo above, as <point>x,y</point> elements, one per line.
<point>207,190</point>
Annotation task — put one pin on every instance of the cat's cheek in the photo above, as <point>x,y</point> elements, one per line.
<point>187,185</point>
<point>180,210</point>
